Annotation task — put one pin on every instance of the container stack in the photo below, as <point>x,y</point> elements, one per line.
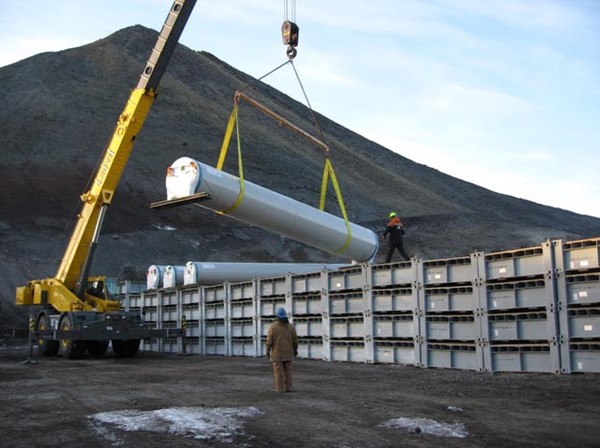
<point>392,301</point>
<point>534,309</point>
<point>271,294</point>
<point>215,313</point>
<point>449,314</point>
<point>241,319</point>
<point>519,319</point>
<point>192,313</point>
<point>343,306</point>
<point>579,306</point>
<point>307,312</point>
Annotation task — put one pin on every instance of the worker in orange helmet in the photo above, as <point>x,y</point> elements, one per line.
<point>395,228</point>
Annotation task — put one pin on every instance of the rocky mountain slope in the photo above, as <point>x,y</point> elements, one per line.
<point>59,111</point>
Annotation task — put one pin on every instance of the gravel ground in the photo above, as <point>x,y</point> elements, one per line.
<point>158,400</point>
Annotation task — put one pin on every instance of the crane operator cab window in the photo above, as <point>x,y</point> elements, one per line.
<point>106,288</point>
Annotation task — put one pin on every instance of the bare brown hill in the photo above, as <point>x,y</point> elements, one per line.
<point>59,111</point>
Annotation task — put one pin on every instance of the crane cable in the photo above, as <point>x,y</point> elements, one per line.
<point>327,172</point>
<point>289,30</point>
<point>286,9</point>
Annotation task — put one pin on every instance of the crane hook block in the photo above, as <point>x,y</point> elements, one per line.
<point>289,32</point>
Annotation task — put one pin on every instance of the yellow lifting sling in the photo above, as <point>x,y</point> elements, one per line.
<point>328,171</point>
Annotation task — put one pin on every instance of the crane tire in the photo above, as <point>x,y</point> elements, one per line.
<point>45,347</point>
<point>69,348</point>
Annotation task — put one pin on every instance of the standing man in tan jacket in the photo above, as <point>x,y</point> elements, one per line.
<point>282,347</point>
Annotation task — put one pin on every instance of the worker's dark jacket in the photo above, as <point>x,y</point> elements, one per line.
<point>395,229</point>
<point>282,341</point>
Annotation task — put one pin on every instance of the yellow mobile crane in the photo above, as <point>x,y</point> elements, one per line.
<point>80,313</point>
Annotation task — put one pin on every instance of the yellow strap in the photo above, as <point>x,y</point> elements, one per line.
<point>227,137</point>
<point>327,171</point>
<point>233,120</point>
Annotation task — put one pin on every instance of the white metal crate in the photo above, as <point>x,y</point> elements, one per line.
<point>214,328</point>
<point>584,323</point>
<point>242,308</point>
<point>452,327</point>
<point>583,289</point>
<point>584,356</point>
<point>306,283</point>
<point>451,270</point>
<point>268,306</point>
<point>191,312</point>
<point>238,291</point>
<point>169,313</point>
<point>515,295</point>
<point>461,298</point>
<point>306,304</point>
<point>169,297</point>
<point>215,346</point>
<point>524,326</point>
<point>394,326</point>
<point>347,327</point>
<point>214,310</point>
<point>243,346</point>
<point>346,279</point>
<point>346,303</point>
<point>452,356</point>
<point>352,351</point>
<point>393,299</point>
<point>521,358</point>
<point>269,287</point>
<point>582,254</point>
<point>392,274</point>
<point>308,326</point>
<point>216,293</point>
<point>310,348</point>
<point>395,352</point>
<point>190,296</point>
<point>515,263</point>
<point>242,328</point>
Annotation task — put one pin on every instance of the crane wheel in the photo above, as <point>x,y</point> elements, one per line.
<point>44,346</point>
<point>96,348</point>
<point>69,348</point>
<point>125,348</point>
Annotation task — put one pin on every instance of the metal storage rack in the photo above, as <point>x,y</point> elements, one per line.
<point>534,309</point>
<point>271,293</point>
<point>578,280</point>
<point>519,321</point>
<point>448,312</point>
<point>241,323</point>
<point>391,312</point>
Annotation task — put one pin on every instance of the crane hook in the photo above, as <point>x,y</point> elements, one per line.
<point>291,52</point>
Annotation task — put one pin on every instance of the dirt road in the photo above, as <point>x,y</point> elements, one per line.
<point>210,401</point>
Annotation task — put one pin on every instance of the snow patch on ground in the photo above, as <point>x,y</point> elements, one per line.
<point>200,423</point>
<point>163,227</point>
<point>427,426</point>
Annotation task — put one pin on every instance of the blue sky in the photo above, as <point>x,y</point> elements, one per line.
<point>501,93</point>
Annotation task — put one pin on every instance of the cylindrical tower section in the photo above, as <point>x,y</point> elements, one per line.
<point>212,273</point>
<point>173,276</point>
<point>154,276</point>
<point>269,210</point>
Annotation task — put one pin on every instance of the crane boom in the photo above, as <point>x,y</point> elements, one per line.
<point>121,144</point>
<point>78,313</point>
